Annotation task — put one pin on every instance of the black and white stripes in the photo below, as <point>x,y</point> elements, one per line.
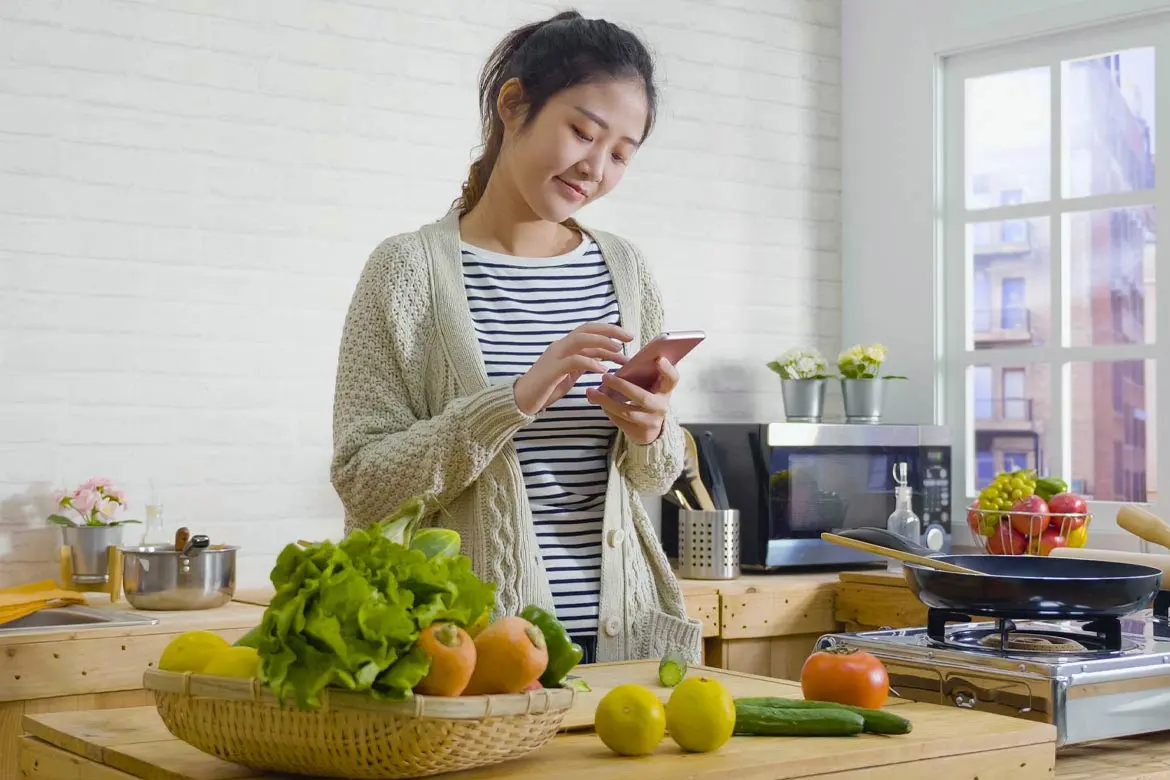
<point>519,307</point>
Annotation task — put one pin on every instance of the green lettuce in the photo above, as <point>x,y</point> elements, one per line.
<point>348,615</point>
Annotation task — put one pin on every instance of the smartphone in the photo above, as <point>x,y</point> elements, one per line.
<point>641,369</point>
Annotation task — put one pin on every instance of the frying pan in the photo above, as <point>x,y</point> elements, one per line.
<point>1024,586</point>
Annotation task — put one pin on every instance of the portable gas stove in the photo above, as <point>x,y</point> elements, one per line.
<point>1093,680</point>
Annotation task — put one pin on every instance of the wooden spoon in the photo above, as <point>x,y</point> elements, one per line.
<point>1144,525</point>
<point>691,465</point>
<point>898,555</point>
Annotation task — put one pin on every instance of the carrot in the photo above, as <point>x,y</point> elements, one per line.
<point>452,654</point>
<point>510,655</point>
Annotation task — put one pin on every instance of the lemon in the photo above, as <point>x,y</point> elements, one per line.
<point>630,720</point>
<point>190,652</point>
<point>234,662</point>
<point>1078,536</point>
<point>700,715</point>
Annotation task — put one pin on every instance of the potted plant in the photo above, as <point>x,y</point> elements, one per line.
<point>96,503</point>
<point>803,373</point>
<point>862,382</point>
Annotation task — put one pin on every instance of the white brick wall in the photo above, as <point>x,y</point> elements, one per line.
<point>189,189</point>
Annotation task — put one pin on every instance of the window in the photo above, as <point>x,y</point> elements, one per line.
<point>1015,303</point>
<point>1015,461</point>
<point>1050,208</point>
<point>1015,396</point>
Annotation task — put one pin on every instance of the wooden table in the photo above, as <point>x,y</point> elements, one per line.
<point>946,742</point>
<point>94,668</point>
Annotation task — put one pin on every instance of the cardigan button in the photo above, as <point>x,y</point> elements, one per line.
<point>612,627</point>
<point>616,537</point>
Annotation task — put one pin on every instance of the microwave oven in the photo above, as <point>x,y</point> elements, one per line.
<point>791,482</point>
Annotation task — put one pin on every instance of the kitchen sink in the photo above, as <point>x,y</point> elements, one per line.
<point>74,618</point>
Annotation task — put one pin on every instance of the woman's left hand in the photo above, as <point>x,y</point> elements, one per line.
<point>640,417</point>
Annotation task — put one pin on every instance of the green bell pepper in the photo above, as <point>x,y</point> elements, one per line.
<point>563,652</point>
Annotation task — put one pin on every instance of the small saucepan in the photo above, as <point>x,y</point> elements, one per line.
<point>190,574</point>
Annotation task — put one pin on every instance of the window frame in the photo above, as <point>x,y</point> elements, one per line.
<point>1048,50</point>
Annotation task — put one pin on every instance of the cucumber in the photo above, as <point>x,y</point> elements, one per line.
<point>763,721</point>
<point>876,721</point>
<point>672,669</point>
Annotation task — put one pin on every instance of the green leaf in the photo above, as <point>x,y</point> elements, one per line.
<point>62,520</point>
<point>436,542</point>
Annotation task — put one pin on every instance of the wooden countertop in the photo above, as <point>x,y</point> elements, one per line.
<point>97,660</point>
<point>946,741</point>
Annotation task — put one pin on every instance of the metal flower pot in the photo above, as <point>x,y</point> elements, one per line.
<point>804,399</point>
<point>89,551</point>
<point>863,400</point>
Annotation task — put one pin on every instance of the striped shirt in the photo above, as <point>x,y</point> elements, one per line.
<point>519,307</point>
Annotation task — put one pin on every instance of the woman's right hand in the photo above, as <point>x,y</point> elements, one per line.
<point>564,362</point>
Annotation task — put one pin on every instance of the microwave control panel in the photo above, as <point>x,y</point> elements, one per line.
<point>936,489</point>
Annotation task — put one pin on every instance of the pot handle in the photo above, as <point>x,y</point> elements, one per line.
<point>199,542</point>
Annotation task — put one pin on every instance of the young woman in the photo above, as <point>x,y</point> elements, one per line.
<point>475,349</point>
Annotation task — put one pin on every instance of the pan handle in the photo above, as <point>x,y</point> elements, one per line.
<point>884,538</point>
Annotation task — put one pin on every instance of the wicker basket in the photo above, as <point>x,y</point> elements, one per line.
<point>353,735</point>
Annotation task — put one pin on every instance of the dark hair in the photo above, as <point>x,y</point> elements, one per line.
<point>547,57</point>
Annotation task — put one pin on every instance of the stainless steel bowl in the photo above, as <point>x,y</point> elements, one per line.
<point>198,576</point>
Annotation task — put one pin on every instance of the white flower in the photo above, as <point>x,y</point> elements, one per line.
<point>799,363</point>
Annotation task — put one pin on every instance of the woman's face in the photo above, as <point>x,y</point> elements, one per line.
<point>577,148</point>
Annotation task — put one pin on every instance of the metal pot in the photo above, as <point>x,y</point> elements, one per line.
<point>198,575</point>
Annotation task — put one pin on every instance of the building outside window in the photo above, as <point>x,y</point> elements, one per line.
<point>1050,225</point>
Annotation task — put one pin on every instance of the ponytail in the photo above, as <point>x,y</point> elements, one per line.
<point>548,57</point>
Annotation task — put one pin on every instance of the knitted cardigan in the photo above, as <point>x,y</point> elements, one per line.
<point>414,414</point>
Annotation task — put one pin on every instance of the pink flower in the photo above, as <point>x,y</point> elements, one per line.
<point>98,482</point>
<point>61,498</point>
<point>84,499</point>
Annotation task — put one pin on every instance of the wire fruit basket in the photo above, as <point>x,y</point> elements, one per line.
<point>353,735</point>
<point>1014,532</point>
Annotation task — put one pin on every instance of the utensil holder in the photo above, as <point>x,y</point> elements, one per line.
<point>708,544</point>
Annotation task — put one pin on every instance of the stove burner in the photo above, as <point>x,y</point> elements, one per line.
<point>1034,643</point>
<point>1103,635</point>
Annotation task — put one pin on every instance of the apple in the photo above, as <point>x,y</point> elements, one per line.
<point>1007,541</point>
<point>1073,508</point>
<point>1050,540</point>
<point>974,517</point>
<point>1029,516</point>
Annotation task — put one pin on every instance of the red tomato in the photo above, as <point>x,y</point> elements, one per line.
<point>1030,516</point>
<point>1007,541</point>
<point>1068,504</point>
<point>1049,541</point>
<point>852,677</point>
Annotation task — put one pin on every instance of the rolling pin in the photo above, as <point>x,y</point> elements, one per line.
<point>1120,556</point>
<point>1144,525</point>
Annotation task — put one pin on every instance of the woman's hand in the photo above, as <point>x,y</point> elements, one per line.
<point>564,362</point>
<point>641,415</point>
